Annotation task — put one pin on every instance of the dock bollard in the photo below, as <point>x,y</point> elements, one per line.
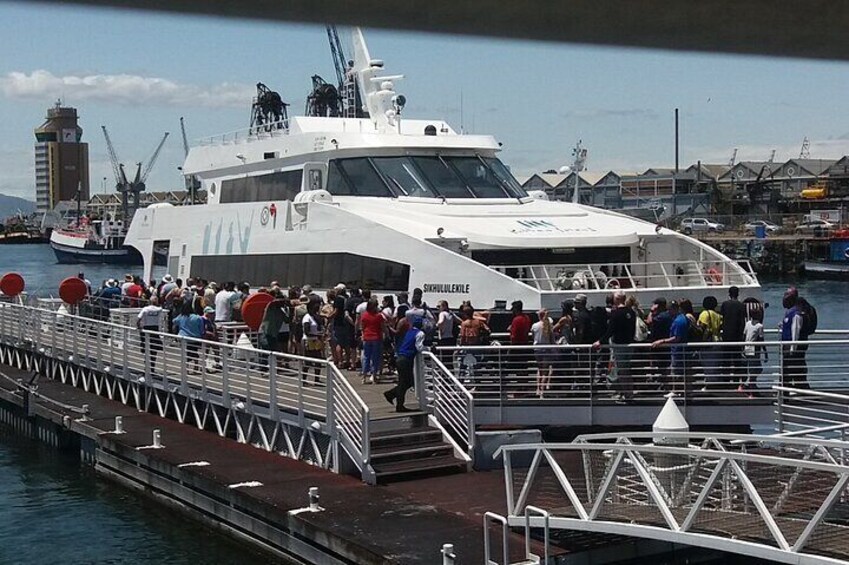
<point>448,555</point>
<point>313,496</point>
<point>119,424</point>
<point>157,439</point>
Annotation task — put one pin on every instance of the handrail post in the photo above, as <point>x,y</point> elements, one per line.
<point>366,447</point>
<point>488,518</point>
<point>299,379</point>
<point>545,516</point>
<point>225,377</point>
<point>183,363</point>
<point>272,387</point>
<point>419,382</point>
<point>330,402</point>
<point>144,335</point>
<point>126,355</point>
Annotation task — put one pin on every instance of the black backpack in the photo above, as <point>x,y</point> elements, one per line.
<point>695,333</point>
<point>809,322</point>
<point>599,318</point>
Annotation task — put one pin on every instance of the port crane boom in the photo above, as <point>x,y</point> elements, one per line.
<point>152,160</point>
<point>185,139</point>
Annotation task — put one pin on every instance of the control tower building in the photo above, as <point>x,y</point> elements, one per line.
<point>61,159</point>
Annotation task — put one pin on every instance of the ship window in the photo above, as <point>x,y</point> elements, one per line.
<point>363,178</point>
<point>320,270</point>
<point>444,180</point>
<point>506,177</point>
<point>478,177</point>
<point>263,188</point>
<point>403,177</point>
<point>336,182</point>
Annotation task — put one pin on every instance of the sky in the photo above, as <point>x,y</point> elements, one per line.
<point>137,73</point>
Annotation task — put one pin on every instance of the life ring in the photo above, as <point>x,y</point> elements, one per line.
<point>714,276</point>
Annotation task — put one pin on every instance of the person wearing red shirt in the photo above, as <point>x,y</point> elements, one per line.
<point>373,325</point>
<point>520,329</point>
<point>134,293</point>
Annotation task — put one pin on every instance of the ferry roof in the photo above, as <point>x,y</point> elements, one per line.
<point>319,138</point>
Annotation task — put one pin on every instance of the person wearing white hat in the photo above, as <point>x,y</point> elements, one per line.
<point>110,296</point>
<point>168,285</point>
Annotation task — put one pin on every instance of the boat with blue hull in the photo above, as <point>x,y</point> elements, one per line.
<point>97,241</point>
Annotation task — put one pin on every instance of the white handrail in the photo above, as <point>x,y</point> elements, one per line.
<point>681,485</point>
<point>451,403</point>
<point>299,390</point>
<point>350,418</point>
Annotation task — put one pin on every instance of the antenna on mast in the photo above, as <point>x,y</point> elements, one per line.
<point>578,165</point>
<point>805,153</point>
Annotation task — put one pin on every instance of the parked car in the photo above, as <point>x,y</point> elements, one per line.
<point>692,225</point>
<point>815,227</point>
<point>753,225</point>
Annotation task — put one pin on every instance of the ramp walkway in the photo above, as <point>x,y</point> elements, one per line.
<point>779,497</point>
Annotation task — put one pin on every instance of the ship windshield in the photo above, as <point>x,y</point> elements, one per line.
<point>403,177</point>
<point>432,176</point>
<point>448,177</point>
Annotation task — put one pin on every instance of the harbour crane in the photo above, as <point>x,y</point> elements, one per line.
<point>130,189</point>
<point>185,139</point>
<point>121,183</point>
<point>733,160</point>
<point>338,55</point>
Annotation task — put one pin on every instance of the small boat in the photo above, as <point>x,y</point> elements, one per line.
<point>20,236</point>
<point>837,264</point>
<point>19,229</point>
<point>97,241</point>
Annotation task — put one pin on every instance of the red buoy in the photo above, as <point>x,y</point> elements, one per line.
<point>12,284</point>
<point>72,290</point>
<point>253,309</point>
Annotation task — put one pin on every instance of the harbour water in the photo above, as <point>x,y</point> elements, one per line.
<point>59,511</point>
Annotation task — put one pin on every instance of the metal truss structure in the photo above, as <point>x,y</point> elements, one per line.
<point>772,497</point>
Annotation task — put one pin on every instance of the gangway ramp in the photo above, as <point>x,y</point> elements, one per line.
<point>771,497</point>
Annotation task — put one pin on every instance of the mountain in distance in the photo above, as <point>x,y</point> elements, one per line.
<point>9,206</point>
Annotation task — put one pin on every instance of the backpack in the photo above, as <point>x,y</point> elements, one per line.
<point>599,319</point>
<point>809,322</point>
<point>695,333</point>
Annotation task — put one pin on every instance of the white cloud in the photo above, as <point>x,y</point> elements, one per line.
<point>123,89</point>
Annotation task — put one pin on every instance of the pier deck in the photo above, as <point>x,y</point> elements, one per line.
<point>400,523</point>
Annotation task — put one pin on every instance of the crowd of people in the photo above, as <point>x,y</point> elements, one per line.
<point>380,336</point>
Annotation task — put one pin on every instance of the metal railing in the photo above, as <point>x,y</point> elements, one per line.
<point>349,418</point>
<point>301,391</point>
<point>263,131</point>
<point>655,275</point>
<point>769,497</point>
<point>450,402</point>
<point>504,375</point>
<point>813,413</point>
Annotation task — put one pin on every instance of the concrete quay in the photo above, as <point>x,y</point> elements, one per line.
<point>259,496</point>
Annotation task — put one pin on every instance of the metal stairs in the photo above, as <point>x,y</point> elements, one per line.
<point>407,446</point>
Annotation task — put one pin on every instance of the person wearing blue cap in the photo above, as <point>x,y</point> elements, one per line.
<point>405,356</point>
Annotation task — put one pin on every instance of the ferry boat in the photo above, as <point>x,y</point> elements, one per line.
<point>376,200</point>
